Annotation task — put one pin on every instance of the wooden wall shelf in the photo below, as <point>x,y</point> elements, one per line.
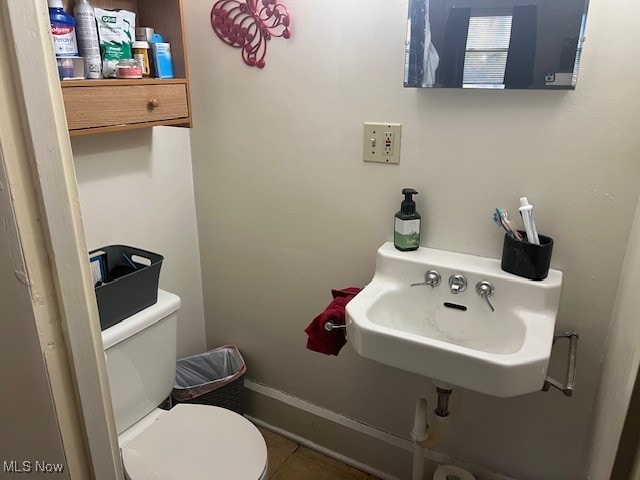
<point>98,106</point>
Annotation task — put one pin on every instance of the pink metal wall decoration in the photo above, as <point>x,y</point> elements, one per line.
<point>249,25</point>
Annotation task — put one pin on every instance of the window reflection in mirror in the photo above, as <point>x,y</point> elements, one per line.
<point>496,44</point>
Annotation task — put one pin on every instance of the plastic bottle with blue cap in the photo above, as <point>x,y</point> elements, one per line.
<point>63,29</point>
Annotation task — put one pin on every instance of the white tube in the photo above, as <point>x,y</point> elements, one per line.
<point>526,210</point>
<point>418,462</point>
<point>425,436</point>
<point>419,435</point>
<point>419,432</point>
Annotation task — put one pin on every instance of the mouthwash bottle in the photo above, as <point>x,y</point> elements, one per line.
<point>63,29</point>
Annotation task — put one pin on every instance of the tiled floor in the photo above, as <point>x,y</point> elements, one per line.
<point>290,461</point>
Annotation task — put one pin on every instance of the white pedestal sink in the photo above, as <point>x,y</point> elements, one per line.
<point>456,338</point>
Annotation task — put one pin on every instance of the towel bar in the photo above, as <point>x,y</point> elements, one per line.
<point>567,388</point>
<point>330,326</point>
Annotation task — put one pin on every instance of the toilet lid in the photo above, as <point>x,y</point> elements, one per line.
<point>198,442</point>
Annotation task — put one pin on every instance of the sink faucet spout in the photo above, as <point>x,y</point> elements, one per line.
<point>457,283</point>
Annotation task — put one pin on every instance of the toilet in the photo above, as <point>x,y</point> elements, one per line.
<point>196,442</point>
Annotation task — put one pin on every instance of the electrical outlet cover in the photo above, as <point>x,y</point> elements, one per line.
<point>382,142</point>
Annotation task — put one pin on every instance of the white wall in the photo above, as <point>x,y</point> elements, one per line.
<point>620,365</point>
<point>136,188</point>
<point>287,210</point>
<point>30,430</point>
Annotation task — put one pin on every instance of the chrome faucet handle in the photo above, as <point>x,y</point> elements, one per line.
<point>457,283</point>
<point>485,290</point>
<point>431,278</point>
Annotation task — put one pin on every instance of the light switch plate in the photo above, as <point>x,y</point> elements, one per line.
<point>382,142</point>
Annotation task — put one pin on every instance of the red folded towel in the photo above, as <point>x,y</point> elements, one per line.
<point>330,342</point>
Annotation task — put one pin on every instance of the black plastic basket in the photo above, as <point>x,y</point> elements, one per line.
<point>213,378</point>
<point>131,284</point>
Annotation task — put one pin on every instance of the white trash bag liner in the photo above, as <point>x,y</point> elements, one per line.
<point>206,372</point>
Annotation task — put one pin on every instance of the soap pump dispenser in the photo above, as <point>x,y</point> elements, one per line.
<point>406,235</point>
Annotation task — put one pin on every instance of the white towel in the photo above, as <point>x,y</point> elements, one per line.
<point>431,57</point>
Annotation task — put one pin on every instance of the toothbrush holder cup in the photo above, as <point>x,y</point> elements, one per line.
<point>526,259</point>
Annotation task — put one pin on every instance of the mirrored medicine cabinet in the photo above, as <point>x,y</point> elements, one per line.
<point>494,44</point>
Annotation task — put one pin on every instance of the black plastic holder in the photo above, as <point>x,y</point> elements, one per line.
<point>526,259</point>
<point>129,287</point>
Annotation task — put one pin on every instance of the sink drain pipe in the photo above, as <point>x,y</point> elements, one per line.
<point>425,435</point>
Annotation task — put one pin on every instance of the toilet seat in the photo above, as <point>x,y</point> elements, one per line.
<point>197,442</point>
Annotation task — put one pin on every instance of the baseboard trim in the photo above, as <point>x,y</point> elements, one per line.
<point>359,427</point>
<point>319,448</point>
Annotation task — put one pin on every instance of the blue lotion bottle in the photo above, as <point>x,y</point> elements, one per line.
<point>406,230</point>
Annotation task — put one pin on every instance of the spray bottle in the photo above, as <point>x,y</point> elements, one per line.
<point>87,34</point>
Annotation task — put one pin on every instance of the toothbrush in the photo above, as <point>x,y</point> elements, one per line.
<point>497,218</point>
<point>505,218</point>
<point>498,221</point>
<point>500,217</point>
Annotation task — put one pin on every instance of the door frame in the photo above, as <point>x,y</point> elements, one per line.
<point>52,236</point>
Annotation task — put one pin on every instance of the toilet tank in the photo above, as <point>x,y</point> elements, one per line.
<point>140,353</point>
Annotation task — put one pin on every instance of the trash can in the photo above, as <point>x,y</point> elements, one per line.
<point>214,378</point>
